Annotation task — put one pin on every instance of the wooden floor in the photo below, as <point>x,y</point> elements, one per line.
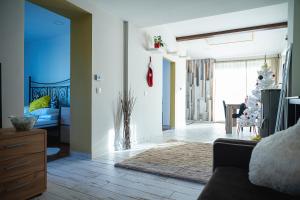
<point>76,177</point>
<point>205,132</point>
<point>79,178</point>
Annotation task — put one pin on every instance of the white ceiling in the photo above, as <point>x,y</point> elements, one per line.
<point>171,18</point>
<point>263,42</point>
<point>240,19</point>
<point>145,13</point>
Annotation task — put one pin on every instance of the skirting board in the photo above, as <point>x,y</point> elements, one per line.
<point>81,155</point>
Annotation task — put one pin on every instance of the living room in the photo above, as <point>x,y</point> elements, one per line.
<point>117,146</point>
<point>216,61</point>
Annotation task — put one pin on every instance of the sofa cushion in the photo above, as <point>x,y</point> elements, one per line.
<point>231,183</point>
<point>275,161</point>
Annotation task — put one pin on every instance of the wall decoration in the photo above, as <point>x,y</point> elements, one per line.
<point>127,104</point>
<point>150,74</point>
<point>199,90</point>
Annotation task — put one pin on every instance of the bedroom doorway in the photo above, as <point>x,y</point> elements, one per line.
<point>80,71</point>
<point>168,95</point>
<point>47,75</point>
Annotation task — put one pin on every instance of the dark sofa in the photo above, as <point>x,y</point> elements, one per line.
<point>230,174</point>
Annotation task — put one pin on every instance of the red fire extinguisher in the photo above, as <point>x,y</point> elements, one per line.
<point>150,74</point>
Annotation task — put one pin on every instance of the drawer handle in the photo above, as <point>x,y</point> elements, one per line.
<point>17,187</point>
<point>16,166</point>
<point>12,146</point>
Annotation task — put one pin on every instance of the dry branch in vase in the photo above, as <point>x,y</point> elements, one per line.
<point>127,104</point>
<point>117,113</point>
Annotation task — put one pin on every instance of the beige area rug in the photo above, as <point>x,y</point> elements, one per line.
<point>184,160</point>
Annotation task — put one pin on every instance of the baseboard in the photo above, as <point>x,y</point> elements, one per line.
<point>81,155</point>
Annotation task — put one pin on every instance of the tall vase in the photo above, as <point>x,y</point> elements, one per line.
<point>127,142</point>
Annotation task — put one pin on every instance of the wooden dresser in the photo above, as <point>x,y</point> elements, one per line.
<point>23,163</point>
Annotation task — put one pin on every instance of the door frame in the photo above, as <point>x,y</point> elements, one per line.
<point>80,71</point>
<point>172,91</point>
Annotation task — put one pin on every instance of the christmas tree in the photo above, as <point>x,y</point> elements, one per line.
<point>252,115</point>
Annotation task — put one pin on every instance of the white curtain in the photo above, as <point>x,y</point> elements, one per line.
<point>234,80</point>
<point>228,76</point>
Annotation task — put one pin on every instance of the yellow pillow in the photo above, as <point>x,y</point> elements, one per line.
<point>42,102</point>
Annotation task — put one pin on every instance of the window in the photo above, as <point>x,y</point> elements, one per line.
<point>234,80</point>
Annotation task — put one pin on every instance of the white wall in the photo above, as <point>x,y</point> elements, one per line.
<point>107,61</point>
<point>147,116</point>
<point>180,93</point>
<point>12,58</point>
<point>180,70</point>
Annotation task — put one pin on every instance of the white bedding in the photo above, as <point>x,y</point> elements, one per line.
<point>42,111</point>
<point>46,123</point>
<point>47,117</point>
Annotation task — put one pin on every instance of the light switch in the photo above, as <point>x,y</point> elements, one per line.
<point>97,77</point>
<point>98,90</point>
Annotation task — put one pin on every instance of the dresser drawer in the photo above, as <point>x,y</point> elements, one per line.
<point>21,166</point>
<point>24,187</point>
<point>19,146</point>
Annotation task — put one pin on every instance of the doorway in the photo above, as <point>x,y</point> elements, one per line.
<point>168,95</point>
<point>80,71</point>
<point>47,75</point>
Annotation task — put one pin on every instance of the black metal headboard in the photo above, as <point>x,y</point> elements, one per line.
<point>60,91</point>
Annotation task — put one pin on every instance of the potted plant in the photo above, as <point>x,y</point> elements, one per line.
<point>158,42</point>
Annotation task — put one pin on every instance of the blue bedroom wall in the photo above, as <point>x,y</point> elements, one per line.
<point>47,47</point>
<point>166,92</point>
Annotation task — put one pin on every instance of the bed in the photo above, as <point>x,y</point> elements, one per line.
<point>46,117</point>
<point>59,92</point>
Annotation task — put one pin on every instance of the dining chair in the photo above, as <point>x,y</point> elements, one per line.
<point>224,105</point>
